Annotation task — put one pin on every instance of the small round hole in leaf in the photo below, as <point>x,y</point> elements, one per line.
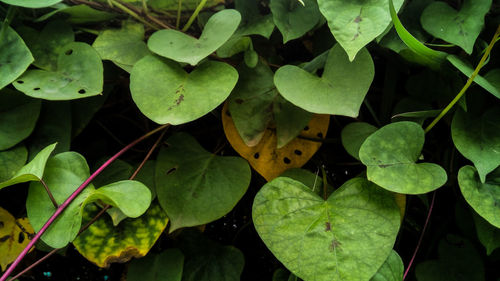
<point>36,89</point>
<point>306,128</point>
<point>287,160</point>
<point>320,135</point>
<point>69,52</point>
<point>20,238</point>
<point>297,152</point>
<point>82,91</point>
<point>1,224</point>
<point>20,81</point>
<point>256,155</point>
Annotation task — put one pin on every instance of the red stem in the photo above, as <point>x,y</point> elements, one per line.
<point>421,235</point>
<point>70,199</point>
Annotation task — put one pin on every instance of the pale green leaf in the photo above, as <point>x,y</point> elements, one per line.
<point>347,237</point>
<point>294,19</point>
<point>15,56</point>
<point>391,270</point>
<point>353,135</point>
<point>390,154</point>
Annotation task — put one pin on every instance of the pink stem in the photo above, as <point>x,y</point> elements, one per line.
<point>421,236</point>
<point>70,199</point>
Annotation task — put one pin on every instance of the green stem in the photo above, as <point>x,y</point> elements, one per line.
<point>145,7</point>
<point>372,112</point>
<point>467,85</point>
<point>131,13</point>
<point>178,20</point>
<point>194,15</point>
<point>88,30</point>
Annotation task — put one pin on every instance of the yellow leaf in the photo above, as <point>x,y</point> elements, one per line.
<point>14,236</point>
<point>266,158</point>
<point>103,243</point>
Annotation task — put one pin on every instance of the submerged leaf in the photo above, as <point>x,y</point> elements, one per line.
<point>391,270</point>
<point>166,266</point>
<point>294,19</point>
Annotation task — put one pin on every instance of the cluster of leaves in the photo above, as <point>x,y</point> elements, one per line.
<point>61,62</point>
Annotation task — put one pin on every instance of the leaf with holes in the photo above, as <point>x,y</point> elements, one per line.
<point>354,134</point>
<point>196,187</point>
<point>123,46</point>
<point>33,171</point>
<point>478,139</point>
<point>339,91</point>
<point>255,105</point>
<point>270,161</point>
<point>457,27</point>
<point>79,74</point>
<point>15,56</point>
<point>458,261</point>
<point>50,42</point>
<point>15,234</point>
<point>390,155</point>
<point>31,3</point>
<point>391,270</point>
<point>18,116</point>
<point>181,47</point>
<point>356,227</point>
<point>294,19</point>
<point>103,244</point>
<point>11,161</point>
<point>165,266</point>
<point>165,93</point>
<point>356,23</point>
<point>63,174</point>
<point>484,198</point>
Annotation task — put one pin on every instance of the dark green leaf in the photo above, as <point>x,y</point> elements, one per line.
<point>15,57</point>
<point>354,134</point>
<point>166,266</point>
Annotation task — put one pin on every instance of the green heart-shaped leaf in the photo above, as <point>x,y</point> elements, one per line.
<point>457,27</point>
<point>63,174</point>
<point>50,43</point>
<point>354,134</point>
<point>166,266</point>
<point>255,104</point>
<point>196,187</point>
<point>390,155</point>
<point>204,255</point>
<point>458,261</point>
<point>79,74</point>
<point>165,93</point>
<point>340,90</point>
<point>15,57</point>
<point>33,171</point>
<point>478,139</point>
<point>123,46</point>
<point>31,3</point>
<point>294,19</point>
<point>53,126</point>
<point>11,161</point>
<point>391,270</point>
<point>252,22</point>
<point>180,47</point>
<point>484,198</point>
<point>487,234</point>
<point>347,237</point>
<point>18,116</point>
<point>102,243</point>
<point>356,23</point>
